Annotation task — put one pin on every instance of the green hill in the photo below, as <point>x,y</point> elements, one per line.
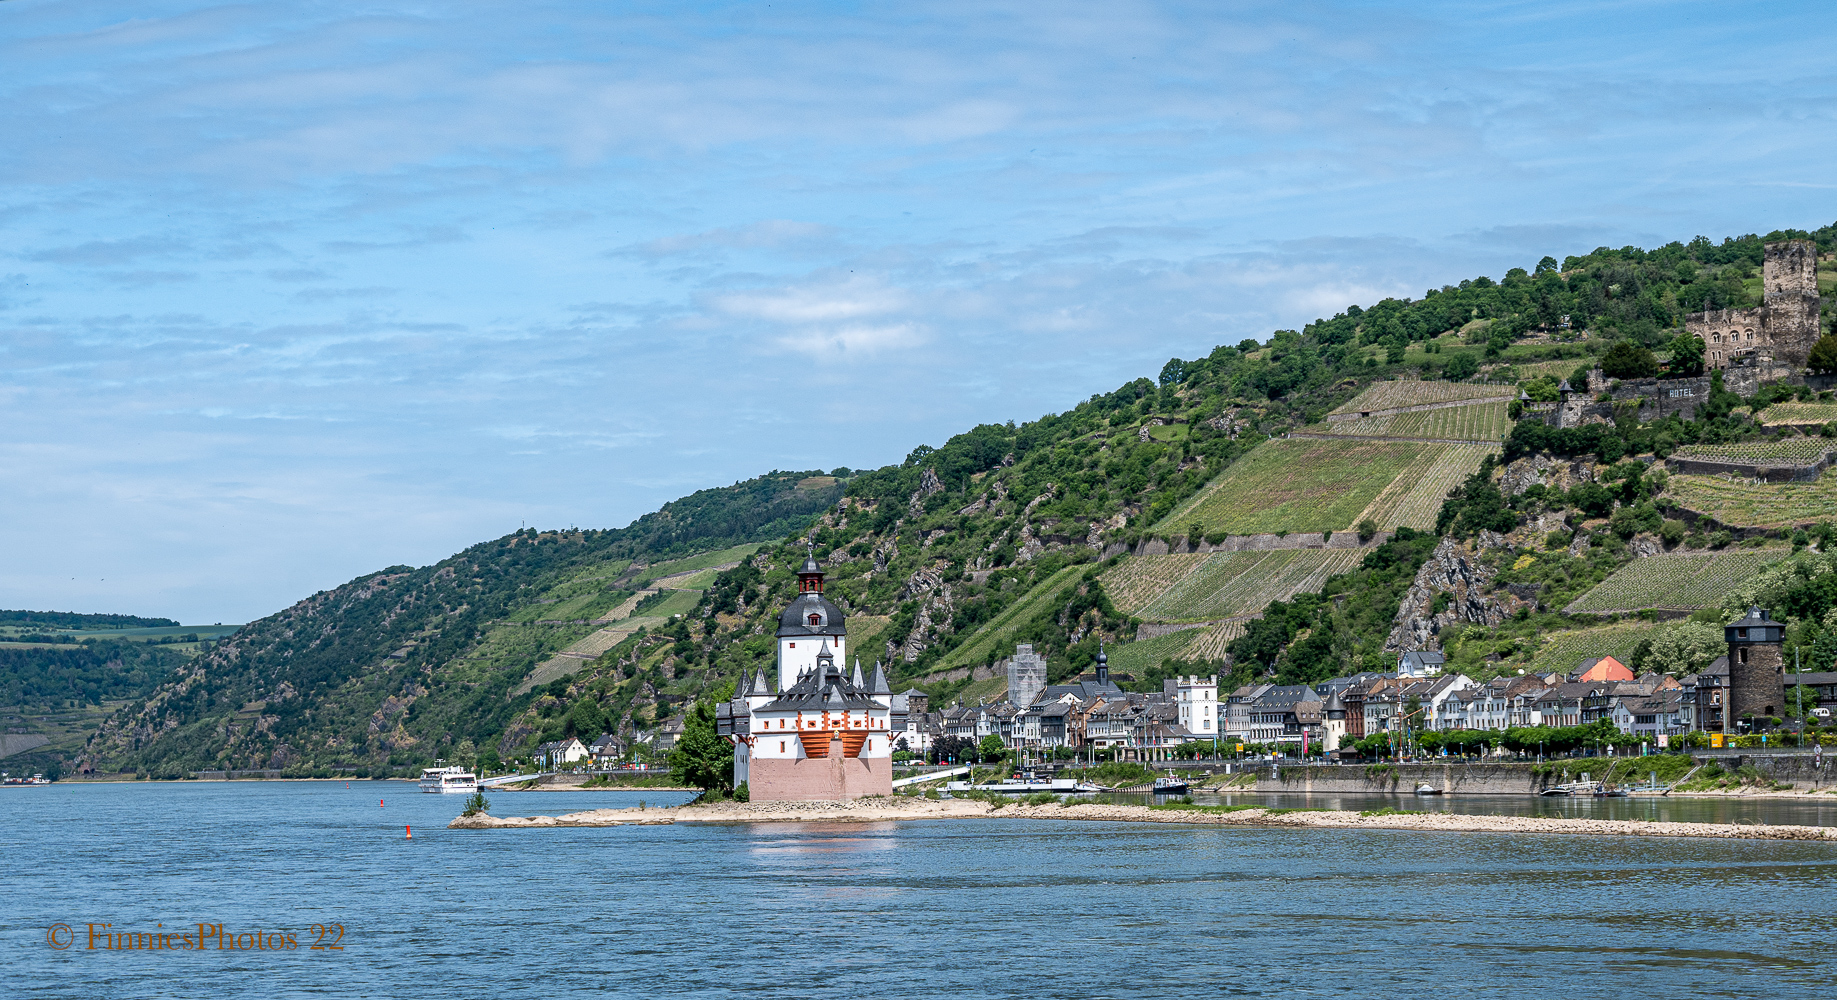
<point>1005,533</point>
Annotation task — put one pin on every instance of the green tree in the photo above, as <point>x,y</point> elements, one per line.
<point>701,757</point>
<point>1461,366</point>
<point>1627,359</point>
<point>991,748</point>
<point>1801,700</point>
<point>1687,355</point>
<point>1823,358</point>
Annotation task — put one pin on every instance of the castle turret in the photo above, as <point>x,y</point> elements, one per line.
<point>808,622</point>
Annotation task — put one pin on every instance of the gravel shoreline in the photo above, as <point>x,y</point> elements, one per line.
<point>892,810</point>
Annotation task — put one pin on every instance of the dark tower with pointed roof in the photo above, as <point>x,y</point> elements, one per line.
<point>1757,667</point>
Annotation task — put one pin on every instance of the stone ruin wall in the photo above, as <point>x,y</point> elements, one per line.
<point>1784,326</point>
<point>1657,398</point>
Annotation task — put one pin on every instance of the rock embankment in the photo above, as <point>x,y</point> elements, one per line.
<point>885,810</point>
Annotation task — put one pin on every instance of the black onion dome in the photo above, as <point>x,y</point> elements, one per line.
<point>796,619</point>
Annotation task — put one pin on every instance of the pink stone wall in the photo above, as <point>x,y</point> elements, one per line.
<point>821,779</point>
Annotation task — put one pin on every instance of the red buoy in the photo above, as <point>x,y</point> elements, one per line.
<point>411,832</point>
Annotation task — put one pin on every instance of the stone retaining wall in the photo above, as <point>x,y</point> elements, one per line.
<point>1451,778</point>
<point>1391,411</point>
<point>1257,543</point>
<point>1769,473</point>
<point>1799,769</point>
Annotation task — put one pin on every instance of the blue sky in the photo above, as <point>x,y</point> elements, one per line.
<point>292,291</point>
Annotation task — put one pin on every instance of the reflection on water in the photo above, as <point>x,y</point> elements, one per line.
<point>1820,810</point>
<point>959,908</point>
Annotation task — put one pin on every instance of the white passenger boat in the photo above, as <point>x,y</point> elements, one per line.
<point>449,779</point>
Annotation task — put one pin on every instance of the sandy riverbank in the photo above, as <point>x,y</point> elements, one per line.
<point>886,810</point>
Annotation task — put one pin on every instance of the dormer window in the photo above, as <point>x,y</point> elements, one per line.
<point>816,620</point>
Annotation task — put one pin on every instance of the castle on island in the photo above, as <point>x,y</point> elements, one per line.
<point>824,734</point>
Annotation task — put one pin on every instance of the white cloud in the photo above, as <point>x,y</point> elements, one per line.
<point>854,340</point>
<point>852,299</point>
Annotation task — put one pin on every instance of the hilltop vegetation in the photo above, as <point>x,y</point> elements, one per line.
<point>65,677</point>
<point>1005,533</point>
<point>68,619</point>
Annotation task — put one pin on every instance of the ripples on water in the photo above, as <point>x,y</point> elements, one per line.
<point>979,908</point>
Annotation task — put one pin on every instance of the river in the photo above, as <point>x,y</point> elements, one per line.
<point>972,908</point>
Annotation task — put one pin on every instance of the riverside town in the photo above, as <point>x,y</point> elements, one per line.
<point>1091,500</point>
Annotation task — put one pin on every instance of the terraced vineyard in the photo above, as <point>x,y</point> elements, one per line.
<point>1678,581</point>
<point>1480,422</point>
<point>1389,395</point>
<point>1231,584</point>
<point>1562,651</point>
<point>1134,583</point>
<point>862,631</point>
<point>1759,505</point>
<point>1210,643</point>
<point>1136,657</point>
<point>988,642</point>
<point>1189,644</point>
<point>1557,370</point>
<point>1792,450</point>
<point>1297,485</point>
<point>705,560</point>
<point>1414,498</point>
<point>1799,413</point>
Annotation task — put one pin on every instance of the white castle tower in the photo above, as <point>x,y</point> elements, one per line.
<point>825,735</point>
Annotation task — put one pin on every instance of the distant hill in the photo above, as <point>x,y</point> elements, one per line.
<point>1067,531</point>
<point>68,619</point>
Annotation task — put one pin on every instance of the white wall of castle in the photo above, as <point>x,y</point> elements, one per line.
<point>775,733</point>
<point>797,656</point>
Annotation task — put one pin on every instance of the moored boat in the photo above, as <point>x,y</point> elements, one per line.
<point>448,780</point>
<point>1427,789</point>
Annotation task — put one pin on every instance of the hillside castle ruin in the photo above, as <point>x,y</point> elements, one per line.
<point>1784,326</point>
<point>1752,347</point>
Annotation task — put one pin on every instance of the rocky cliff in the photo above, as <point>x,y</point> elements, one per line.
<point>1456,570</point>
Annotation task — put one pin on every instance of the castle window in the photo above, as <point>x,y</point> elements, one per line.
<point>781,746</point>
<point>816,620</point>
<point>1744,656</point>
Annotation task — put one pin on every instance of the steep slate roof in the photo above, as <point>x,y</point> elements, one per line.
<point>1086,689</point>
<point>1284,698</point>
<point>824,689</point>
<point>1425,658</point>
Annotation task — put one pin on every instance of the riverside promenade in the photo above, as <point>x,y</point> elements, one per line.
<point>904,809</point>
